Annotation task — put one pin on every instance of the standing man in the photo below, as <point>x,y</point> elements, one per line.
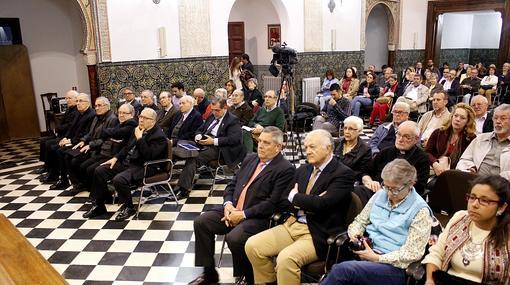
<point>247,65</point>
<point>319,201</point>
<point>167,111</point>
<point>249,200</point>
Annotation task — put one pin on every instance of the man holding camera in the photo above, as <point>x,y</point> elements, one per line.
<point>220,135</point>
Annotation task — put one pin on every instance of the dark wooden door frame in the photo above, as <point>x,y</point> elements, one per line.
<point>437,8</point>
<point>230,49</point>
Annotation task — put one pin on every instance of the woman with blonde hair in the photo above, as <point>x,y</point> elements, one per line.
<point>446,144</point>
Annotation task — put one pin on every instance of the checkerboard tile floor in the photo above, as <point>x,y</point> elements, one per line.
<point>156,248</point>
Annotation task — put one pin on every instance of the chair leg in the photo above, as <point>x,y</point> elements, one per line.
<point>221,251</point>
<point>214,180</point>
<point>140,201</point>
<point>173,193</point>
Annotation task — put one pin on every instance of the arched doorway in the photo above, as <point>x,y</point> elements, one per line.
<point>248,29</point>
<point>377,36</point>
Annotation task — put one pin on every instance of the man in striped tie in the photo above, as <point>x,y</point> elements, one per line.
<point>250,199</point>
<point>318,202</point>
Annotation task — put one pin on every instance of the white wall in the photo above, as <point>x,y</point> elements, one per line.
<point>471,30</point>
<point>413,24</point>
<point>256,15</point>
<point>486,30</point>
<point>376,51</point>
<point>346,20</point>
<point>51,30</point>
<point>219,28</point>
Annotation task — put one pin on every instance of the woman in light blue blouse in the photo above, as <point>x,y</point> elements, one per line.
<point>325,93</point>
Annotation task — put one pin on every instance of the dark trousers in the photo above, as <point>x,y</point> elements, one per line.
<point>60,163</point>
<point>209,224</point>
<point>45,144</point>
<point>50,158</point>
<point>122,176</point>
<point>86,171</point>
<point>363,193</point>
<point>73,167</point>
<point>364,272</point>
<point>190,167</point>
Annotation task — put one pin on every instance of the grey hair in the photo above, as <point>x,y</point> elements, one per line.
<point>221,100</point>
<point>130,108</point>
<point>394,76</point>
<point>240,91</point>
<point>188,98</point>
<point>481,97</point>
<point>326,138</point>
<point>73,93</point>
<point>151,94</point>
<point>165,93</point>
<point>276,134</point>
<point>221,92</point>
<point>414,125</point>
<point>85,95</point>
<point>403,105</point>
<point>152,114</point>
<point>104,100</point>
<point>399,171</point>
<point>354,120</point>
<point>253,79</point>
<point>199,91</point>
<point>502,108</point>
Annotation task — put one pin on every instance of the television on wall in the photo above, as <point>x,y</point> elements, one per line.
<point>10,32</point>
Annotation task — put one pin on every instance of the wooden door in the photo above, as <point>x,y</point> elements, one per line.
<point>235,39</point>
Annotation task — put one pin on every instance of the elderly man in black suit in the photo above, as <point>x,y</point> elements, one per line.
<point>318,202</point>
<point>220,135</point>
<point>186,122</point>
<point>167,111</point>
<point>147,143</point>
<point>249,200</point>
<point>129,95</point>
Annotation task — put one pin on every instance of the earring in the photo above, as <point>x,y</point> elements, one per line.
<point>499,213</point>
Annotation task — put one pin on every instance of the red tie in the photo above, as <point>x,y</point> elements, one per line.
<point>240,203</point>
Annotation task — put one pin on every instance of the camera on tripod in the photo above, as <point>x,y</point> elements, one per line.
<point>284,56</point>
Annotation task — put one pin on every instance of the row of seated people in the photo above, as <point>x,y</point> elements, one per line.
<point>396,218</point>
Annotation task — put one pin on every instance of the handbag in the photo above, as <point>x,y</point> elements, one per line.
<point>383,100</point>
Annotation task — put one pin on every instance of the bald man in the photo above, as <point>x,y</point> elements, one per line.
<point>147,143</point>
<point>202,104</point>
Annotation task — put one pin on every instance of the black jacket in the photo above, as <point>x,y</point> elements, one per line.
<point>151,146</point>
<point>66,122</point>
<point>80,126</point>
<point>164,120</point>
<point>137,106</point>
<point>488,125</point>
<point>251,95</point>
<point>266,193</point>
<point>357,159</point>
<point>243,112</point>
<point>326,205</point>
<point>229,138</point>
<point>373,90</point>
<point>116,137</point>
<point>152,106</point>
<point>93,137</point>
<point>188,128</point>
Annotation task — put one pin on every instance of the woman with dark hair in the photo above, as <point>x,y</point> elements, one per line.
<point>474,247</point>
<point>367,93</point>
<point>230,86</point>
<point>446,144</point>
<point>349,83</point>
<point>235,72</point>
<point>325,94</point>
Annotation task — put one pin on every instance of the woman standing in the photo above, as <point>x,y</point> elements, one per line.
<point>235,72</point>
<point>474,247</point>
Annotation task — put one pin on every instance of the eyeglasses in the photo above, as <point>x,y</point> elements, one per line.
<point>99,105</point>
<point>124,113</point>
<point>500,118</point>
<point>145,118</point>
<point>81,101</point>
<point>272,97</point>
<point>406,136</point>
<point>471,198</point>
<point>393,190</point>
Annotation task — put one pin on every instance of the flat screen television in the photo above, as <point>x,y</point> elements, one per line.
<point>10,32</point>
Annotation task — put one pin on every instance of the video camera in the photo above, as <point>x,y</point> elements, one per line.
<point>284,56</point>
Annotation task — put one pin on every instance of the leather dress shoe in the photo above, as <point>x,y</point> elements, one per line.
<point>49,179</point>
<point>125,214</point>
<point>96,210</point>
<point>181,193</point>
<point>205,280</point>
<point>60,185</point>
<point>41,170</point>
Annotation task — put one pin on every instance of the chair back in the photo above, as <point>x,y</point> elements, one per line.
<point>169,148</point>
<point>449,192</point>
<point>355,207</point>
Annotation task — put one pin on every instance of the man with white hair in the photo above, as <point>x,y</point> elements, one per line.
<point>147,98</point>
<point>167,111</point>
<point>483,119</point>
<point>407,136</point>
<point>126,168</point>
<point>186,122</point>
<point>489,153</point>
<point>384,135</point>
<point>318,201</point>
<point>202,104</point>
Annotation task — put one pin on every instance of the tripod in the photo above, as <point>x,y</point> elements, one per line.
<point>287,78</point>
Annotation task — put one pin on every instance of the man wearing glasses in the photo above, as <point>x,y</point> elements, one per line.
<point>129,97</point>
<point>384,135</point>
<point>489,153</point>
<point>398,221</point>
<point>407,136</point>
<point>148,142</point>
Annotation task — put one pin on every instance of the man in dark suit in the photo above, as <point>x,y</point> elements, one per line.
<point>318,202</point>
<point>483,118</point>
<point>129,97</point>
<point>147,143</point>
<point>220,135</point>
<point>167,111</point>
<point>185,123</point>
<point>452,86</point>
<point>147,98</point>
<point>249,200</point>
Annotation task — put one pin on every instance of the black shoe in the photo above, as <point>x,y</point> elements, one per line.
<point>125,214</point>
<point>77,188</point>
<point>41,170</point>
<point>60,185</point>
<point>181,193</point>
<point>49,179</point>
<point>205,279</point>
<point>96,210</point>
